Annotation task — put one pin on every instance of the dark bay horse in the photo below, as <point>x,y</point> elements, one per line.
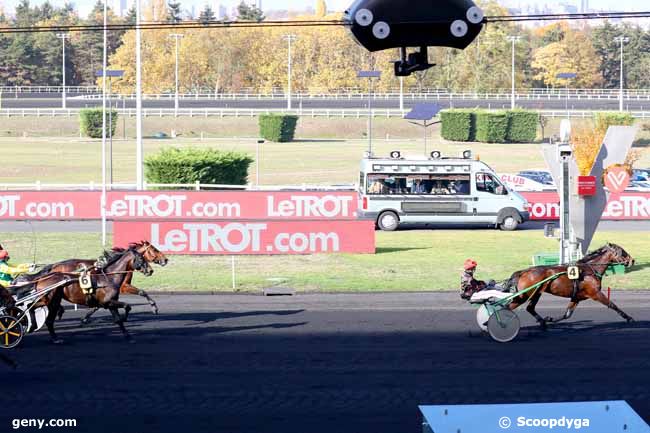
<point>107,281</point>
<point>588,286</point>
<point>151,254</point>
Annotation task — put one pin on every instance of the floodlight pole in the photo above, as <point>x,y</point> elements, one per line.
<point>289,39</point>
<point>623,40</point>
<point>177,37</point>
<point>63,37</point>
<point>138,101</point>
<point>514,40</point>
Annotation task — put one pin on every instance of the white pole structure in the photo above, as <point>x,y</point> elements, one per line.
<point>514,40</point>
<point>177,37</point>
<point>104,67</point>
<point>289,39</point>
<point>622,40</point>
<point>370,75</point>
<point>63,37</point>
<point>139,152</point>
<point>401,93</point>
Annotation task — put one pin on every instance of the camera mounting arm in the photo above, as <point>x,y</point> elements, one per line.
<point>379,25</point>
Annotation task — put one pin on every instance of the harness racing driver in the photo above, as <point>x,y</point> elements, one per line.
<point>468,284</point>
<point>8,272</point>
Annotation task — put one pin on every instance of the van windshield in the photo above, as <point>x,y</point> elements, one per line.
<point>435,184</point>
<point>485,182</point>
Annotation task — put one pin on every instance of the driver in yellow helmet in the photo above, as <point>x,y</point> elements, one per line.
<point>8,272</point>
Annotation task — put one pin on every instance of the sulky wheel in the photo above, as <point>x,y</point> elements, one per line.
<point>11,332</point>
<point>482,316</point>
<point>503,326</point>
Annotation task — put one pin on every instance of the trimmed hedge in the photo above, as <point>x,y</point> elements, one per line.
<point>523,126</point>
<point>491,127</point>
<point>278,128</point>
<point>518,126</point>
<point>458,125</point>
<point>174,165</point>
<point>606,119</point>
<point>90,122</point>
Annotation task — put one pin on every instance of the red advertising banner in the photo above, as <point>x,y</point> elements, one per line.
<point>50,205</point>
<point>201,205</point>
<point>185,205</point>
<point>242,206</point>
<point>250,237</point>
<point>627,206</point>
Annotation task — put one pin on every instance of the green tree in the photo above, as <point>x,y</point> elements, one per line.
<point>248,12</point>
<point>207,15</point>
<point>174,12</point>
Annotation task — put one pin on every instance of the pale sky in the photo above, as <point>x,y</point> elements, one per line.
<point>85,5</point>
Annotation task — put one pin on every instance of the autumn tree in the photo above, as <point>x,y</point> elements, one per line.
<point>574,53</point>
<point>321,8</point>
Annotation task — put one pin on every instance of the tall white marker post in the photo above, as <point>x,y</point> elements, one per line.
<point>623,40</point>
<point>289,39</point>
<point>514,40</point>
<point>63,37</point>
<point>104,63</point>
<point>177,37</point>
<point>139,150</point>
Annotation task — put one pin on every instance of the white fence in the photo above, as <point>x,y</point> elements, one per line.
<point>604,95</point>
<point>95,186</point>
<point>253,112</point>
<point>344,93</point>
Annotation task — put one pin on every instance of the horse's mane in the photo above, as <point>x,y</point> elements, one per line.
<point>111,256</point>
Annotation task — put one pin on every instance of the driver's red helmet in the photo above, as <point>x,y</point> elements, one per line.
<point>470,264</point>
<point>4,255</point>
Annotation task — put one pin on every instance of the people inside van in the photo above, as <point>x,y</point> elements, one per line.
<point>378,187</point>
<point>462,187</point>
<point>439,189</point>
<point>417,187</point>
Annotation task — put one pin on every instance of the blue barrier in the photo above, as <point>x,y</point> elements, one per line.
<point>586,417</point>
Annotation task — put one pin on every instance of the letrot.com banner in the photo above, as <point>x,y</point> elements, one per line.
<point>627,206</point>
<point>251,237</point>
<point>205,205</point>
<point>190,205</point>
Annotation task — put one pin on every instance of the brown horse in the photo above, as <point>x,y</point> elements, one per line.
<point>587,286</point>
<point>150,253</point>
<point>107,281</point>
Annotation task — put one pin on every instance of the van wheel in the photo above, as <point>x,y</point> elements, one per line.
<point>509,224</point>
<point>388,221</point>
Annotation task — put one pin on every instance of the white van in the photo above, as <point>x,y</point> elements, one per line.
<point>436,190</point>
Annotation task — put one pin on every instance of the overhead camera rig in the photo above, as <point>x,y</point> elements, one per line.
<point>379,25</point>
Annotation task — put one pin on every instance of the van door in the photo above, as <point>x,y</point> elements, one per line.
<point>489,198</point>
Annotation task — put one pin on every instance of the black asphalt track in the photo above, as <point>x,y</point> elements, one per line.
<point>317,363</point>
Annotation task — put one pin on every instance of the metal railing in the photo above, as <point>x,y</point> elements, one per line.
<point>637,95</point>
<point>49,89</point>
<point>253,112</point>
<point>95,186</point>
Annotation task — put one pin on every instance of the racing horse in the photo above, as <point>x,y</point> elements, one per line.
<point>588,286</point>
<point>107,280</point>
<point>150,253</point>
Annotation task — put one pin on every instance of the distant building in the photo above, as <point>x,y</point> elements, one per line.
<point>121,7</point>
